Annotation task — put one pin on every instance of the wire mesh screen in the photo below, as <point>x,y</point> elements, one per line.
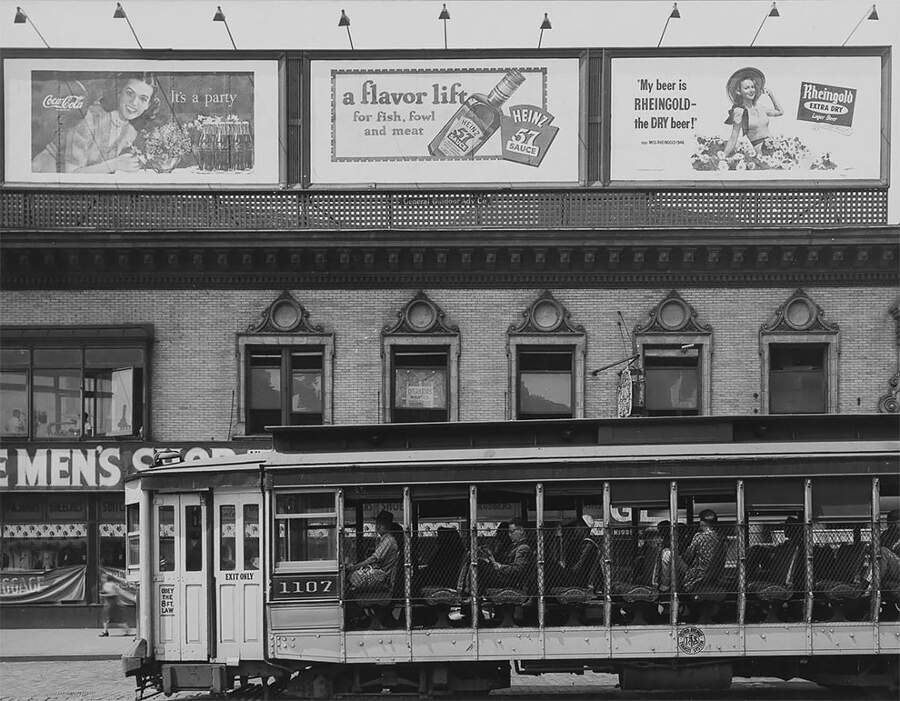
<point>775,570</point>
<point>521,209</point>
<point>841,570</point>
<point>439,559</point>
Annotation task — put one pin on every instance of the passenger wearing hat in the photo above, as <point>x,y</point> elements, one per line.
<point>705,556</point>
<point>381,564</point>
<point>890,539</point>
<point>746,116</point>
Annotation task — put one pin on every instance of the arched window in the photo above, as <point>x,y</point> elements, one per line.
<point>675,351</point>
<point>420,359</point>
<point>799,351</point>
<point>285,370</point>
<point>546,363</point>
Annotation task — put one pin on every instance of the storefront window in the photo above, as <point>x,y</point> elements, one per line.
<point>43,548</point>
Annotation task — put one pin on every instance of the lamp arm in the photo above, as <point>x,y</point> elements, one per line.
<point>596,372</point>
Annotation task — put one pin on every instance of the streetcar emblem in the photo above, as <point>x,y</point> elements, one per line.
<point>691,640</point>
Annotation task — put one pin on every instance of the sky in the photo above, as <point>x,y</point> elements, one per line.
<point>414,24</point>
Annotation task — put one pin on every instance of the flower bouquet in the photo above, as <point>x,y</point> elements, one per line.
<point>775,153</point>
<point>162,147</point>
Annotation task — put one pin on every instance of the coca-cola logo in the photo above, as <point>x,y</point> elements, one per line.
<point>64,102</point>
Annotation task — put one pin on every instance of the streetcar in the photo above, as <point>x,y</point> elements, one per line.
<point>677,552</point>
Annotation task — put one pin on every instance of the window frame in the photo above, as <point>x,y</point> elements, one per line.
<point>420,322</point>
<point>829,370</point>
<point>574,342</point>
<point>396,411</point>
<point>545,349</point>
<point>83,339</point>
<point>300,566</point>
<point>285,343</point>
<point>703,343</point>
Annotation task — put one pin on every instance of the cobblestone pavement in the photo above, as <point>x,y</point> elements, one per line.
<point>103,681</point>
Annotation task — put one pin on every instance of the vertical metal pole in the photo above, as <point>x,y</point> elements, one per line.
<point>473,563</point>
<point>808,538</point>
<point>876,558</point>
<point>673,544</point>
<point>145,599</point>
<point>742,557</point>
<point>407,560</point>
<point>539,500</point>
<point>342,573</point>
<point>607,558</point>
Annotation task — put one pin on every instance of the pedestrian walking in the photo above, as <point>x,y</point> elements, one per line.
<point>112,612</point>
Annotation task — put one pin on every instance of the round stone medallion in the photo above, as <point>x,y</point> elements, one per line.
<point>421,315</point>
<point>285,315</point>
<point>798,313</point>
<point>546,315</point>
<point>673,314</point>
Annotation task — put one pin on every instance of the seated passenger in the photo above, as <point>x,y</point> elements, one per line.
<point>517,566</point>
<point>580,553</point>
<point>443,565</point>
<point>664,528</point>
<point>502,542</point>
<point>379,569</point>
<point>705,556</point>
<point>890,539</point>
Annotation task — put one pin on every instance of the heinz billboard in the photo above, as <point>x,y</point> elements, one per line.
<point>485,120</point>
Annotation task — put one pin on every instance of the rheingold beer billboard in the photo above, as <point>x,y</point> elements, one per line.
<point>748,117</point>
<point>134,121</point>
<point>486,120</point>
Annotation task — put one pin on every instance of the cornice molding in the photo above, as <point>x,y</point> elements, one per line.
<point>547,264</point>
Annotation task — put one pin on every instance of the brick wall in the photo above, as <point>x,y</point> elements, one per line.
<point>194,358</point>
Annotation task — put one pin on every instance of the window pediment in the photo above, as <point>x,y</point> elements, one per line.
<point>284,315</point>
<point>672,315</point>
<point>420,316</point>
<point>799,314</point>
<point>545,315</point>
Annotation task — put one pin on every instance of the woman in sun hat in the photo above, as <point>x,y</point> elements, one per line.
<point>746,115</point>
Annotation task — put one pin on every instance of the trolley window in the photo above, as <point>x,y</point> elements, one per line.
<point>133,535</point>
<point>306,528</point>
<point>251,536</point>
<point>227,521</point>
<point>166,517</point>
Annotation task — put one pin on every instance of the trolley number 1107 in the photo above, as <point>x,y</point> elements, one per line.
<point>305,586</point>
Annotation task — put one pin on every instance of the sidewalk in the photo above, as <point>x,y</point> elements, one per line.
<point>31,644</point>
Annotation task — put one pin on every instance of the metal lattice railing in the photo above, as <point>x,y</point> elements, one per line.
<point>134,210</point>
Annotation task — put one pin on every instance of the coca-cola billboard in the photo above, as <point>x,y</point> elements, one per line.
<point>127,121</point>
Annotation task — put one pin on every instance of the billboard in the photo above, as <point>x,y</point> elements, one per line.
<point>110,121</point>
<point>445,121</point>
<point>746,118</point>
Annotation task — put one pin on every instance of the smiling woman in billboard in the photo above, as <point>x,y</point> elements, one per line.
<point>746,116</point>
<point>101,141</point>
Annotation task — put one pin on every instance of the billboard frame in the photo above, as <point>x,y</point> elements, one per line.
<point>581,54</point>
<point>279,57</point>
<point>606,181</point>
